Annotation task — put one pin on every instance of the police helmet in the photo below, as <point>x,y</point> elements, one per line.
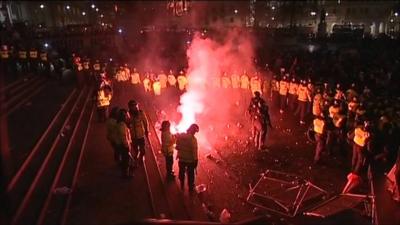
<point>132,103</point>
<point>257,94</point>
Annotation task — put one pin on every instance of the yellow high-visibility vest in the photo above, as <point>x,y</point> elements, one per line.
<point>157,88</point>
<point>146,84</point>
<point>316,109</point>
<point>103,100</point>
<point>319,126</point>
<point>182,82</point>
<point>360,136</point>
<point>138,125</point>
<point>255,85</point>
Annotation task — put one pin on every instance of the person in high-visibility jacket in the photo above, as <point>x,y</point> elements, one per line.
<point>112,133</point>
<point>292,93</point>
<point>157,87</point>
<point>266,87</point>
<point>255,84</point>
<point>182,81</point>
<point>167,147</point>
<point>135,77</point>
<point>147,83</point>
<point>171,79</point>
<point>275,91</point>
<point>334,109</point>
<point>319,133</point>
<point>303,96</point>
<point>244,81</point>
<point>127,72</point>
<point>235,80</point>
<point>124,143</point>
<point>311,89</point>
<point>104,96</point>
<point>162,79</point>
<point>187,148</point>
<point>139,129</point>
<point>361,137</point>
<point>225,81</point>
<point>283,90</point>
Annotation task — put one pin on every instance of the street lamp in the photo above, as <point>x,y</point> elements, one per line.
<point>396,14</point>
<point>236,11</point>
<point>273,7</point>
<point>67,7</point>
<point>83,13</point>
<point>93,6</point>
<point>41,6</point>
<point>312,13</point>
<point>97,9</point>
<point>101,15</point>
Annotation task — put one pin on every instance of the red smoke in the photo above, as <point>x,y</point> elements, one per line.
<point>203,104</point>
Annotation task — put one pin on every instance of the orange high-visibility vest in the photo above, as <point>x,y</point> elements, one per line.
<point>244,82</point>
<point>4,54</point>
<point>293,87</point>
<point>146,84</point>
<point>171,80</point>
<point>22,54</point>
<point>303,93</point>
<point>163,80</point>
<point>235,81</point>
<point>225,82</point>
<point>135,78</point>
<point>283,87</point>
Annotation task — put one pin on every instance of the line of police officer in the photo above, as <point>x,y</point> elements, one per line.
<point>22,61</point>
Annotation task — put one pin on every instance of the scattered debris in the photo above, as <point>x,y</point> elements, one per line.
<point>225,216</point>
<point>62,190</point>
<point>201,188</point>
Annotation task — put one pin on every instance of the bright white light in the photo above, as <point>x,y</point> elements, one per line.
<point>67,7</point>
<point>273,18</point>
<point>311,48</point>
<point>97,9</point>
<point>83,13</point>
<point>326,14</point>
<point>391,20</point>
<point>396,14</point>
<point>102,24</point>
<point>273,7</point>
<point>46,45</point>
<point>111,59</point>
<point>188,42</point>
<point>236,11</point>
<point>119,30</point>
<point>101,15</point>
<point>93,6</point>
<point>313,13</point>
<point>41,6</point>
